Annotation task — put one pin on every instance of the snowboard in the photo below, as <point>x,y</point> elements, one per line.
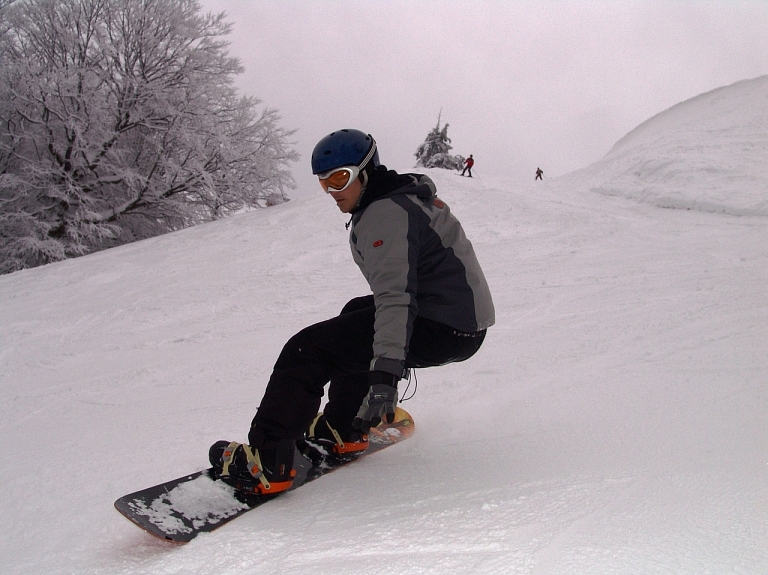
<point>181,509</point>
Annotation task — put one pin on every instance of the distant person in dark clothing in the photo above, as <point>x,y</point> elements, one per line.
<point>468,163</point>
<point>539,173</point>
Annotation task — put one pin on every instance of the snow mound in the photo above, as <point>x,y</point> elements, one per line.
<point>709,153</point>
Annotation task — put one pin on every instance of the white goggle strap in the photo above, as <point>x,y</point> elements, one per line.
<point>365,161</point>
<point>370,154</point>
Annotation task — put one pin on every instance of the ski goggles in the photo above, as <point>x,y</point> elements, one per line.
<point>338,179</point>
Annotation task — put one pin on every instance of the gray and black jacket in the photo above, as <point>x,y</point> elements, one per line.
<point>417,260</point>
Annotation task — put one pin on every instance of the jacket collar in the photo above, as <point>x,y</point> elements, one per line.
<point>384,183</point>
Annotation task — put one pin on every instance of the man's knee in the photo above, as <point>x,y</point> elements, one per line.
<point>358,303</point>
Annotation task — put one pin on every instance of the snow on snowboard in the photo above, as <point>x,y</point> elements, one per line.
<point>181,509</point>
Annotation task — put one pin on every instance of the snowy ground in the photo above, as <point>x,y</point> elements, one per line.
<point>615,421</point>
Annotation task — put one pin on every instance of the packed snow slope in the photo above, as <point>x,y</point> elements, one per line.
<point>614,422</point>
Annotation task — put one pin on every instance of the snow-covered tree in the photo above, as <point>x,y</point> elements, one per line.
<point>434,152</point>
<point>119,121</point>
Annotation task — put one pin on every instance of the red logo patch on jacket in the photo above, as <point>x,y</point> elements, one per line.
<point>378,243</point>
<point>438,203</point>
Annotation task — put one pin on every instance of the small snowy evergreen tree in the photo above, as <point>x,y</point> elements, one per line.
<point>434,152</point>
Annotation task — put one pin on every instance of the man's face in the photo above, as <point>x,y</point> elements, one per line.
<point>347,199</point>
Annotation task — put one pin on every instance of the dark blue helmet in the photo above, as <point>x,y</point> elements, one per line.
<point>344,148</point>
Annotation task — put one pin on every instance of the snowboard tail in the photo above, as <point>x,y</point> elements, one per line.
<point>181,509</point>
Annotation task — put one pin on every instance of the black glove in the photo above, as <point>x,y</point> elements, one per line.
<point>380,402</point>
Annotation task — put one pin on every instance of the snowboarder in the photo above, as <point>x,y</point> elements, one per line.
<point>430,306</point>
<point>469,162</point>
<point>539,173</point>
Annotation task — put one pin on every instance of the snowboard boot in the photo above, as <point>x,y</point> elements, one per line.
<point>324,439</point>
<point>266,471</point>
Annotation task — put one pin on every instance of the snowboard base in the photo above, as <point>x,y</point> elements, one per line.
<point>181,509</point>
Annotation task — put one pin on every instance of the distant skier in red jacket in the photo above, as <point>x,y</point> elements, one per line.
<point>469,162</point>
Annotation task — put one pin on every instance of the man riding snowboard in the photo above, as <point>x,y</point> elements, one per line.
<point>430,306</point>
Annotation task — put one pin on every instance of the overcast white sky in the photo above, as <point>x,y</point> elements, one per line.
<point>522,84</point>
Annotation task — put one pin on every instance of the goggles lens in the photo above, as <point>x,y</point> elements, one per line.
<point>339,179</point>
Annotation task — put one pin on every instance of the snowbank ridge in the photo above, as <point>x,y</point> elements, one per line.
<point>709,153</point>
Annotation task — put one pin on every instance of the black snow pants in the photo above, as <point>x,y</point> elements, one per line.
<point>340,350</point>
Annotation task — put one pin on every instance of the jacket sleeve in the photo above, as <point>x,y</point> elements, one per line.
<point>386,251</point>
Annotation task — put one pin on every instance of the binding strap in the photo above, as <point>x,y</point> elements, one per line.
<point>255,466</point>
<point>227,458</point>
<point>336,436</point>
<point>253,459</point>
